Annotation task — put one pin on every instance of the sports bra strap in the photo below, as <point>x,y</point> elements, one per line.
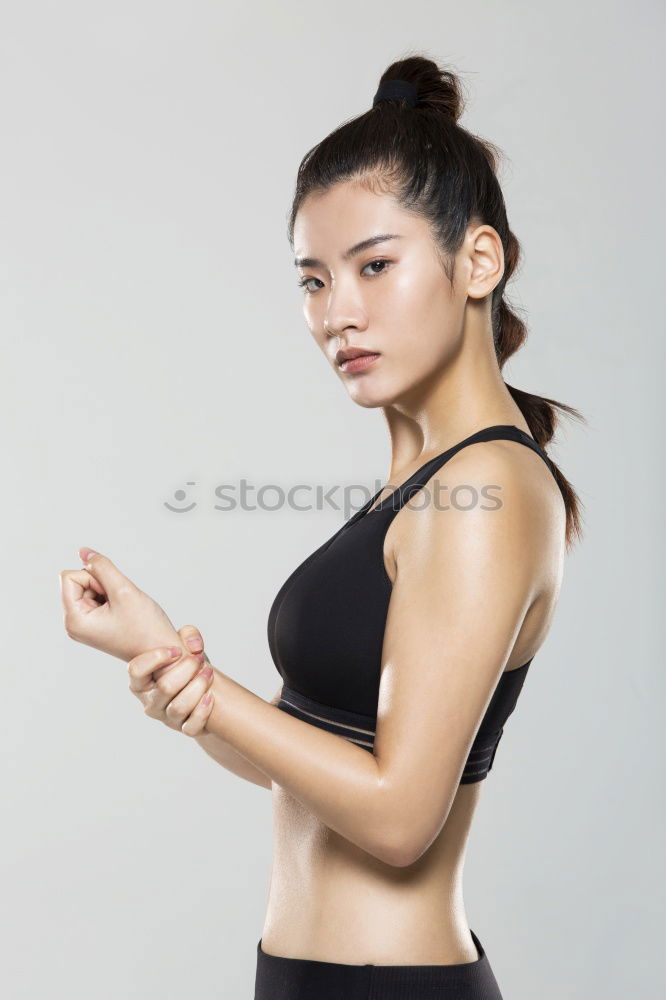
<point>402,494</point>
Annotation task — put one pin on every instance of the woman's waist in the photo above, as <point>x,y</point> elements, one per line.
<point>332,901</point>
<point>344,923</point>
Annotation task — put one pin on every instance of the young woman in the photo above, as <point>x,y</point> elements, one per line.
<point>404,640</point>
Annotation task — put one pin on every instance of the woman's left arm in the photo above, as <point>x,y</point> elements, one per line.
<point>335,779</point>
<point>464,583</point>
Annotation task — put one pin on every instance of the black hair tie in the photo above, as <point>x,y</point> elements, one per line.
<point>395,90</point>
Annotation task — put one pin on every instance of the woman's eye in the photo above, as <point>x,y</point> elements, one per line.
<point>380,260</point>
<point>303,283</point>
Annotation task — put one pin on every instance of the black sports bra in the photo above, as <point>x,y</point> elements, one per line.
<point>326,624</point>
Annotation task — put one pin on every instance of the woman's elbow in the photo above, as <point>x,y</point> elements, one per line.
<point>408,833</point>
<point>400,842</point>
<point>399,851</point>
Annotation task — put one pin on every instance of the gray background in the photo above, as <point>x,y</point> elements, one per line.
<point>152,335</point>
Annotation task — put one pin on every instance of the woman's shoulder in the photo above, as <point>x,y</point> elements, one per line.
<point>495,496</point>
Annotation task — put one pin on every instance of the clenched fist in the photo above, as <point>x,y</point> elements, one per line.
<point>105,610</point>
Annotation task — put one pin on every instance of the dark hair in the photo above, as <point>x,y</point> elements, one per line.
<point>446,174</point>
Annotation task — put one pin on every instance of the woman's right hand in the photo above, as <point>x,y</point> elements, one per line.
<point>104,609</point>
<point>171,689</point>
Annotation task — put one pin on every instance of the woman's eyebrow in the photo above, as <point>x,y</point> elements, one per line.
<point>352,252</point>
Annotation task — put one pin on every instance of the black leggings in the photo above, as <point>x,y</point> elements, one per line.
<point>280,978</point>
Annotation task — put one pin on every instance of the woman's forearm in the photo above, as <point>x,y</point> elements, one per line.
<point>336,780</point>
<point>224,754</point>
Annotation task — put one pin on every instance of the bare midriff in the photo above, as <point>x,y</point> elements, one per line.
<point>331,901</point>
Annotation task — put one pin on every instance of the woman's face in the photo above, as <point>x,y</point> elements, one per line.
<point>392,297</point>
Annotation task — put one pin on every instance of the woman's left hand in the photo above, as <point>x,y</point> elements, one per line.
<point>105,610</point>
<point>172,688</point>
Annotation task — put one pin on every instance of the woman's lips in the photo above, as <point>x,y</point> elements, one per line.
<point>358,364</point>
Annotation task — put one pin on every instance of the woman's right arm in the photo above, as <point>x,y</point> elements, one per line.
<point>225,755</point>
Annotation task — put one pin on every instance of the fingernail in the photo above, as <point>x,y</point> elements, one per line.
<point>207,671</point>
<point>174,651</point>
<point>194,643</point>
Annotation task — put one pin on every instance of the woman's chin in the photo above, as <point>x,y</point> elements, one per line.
<point>370,398</point>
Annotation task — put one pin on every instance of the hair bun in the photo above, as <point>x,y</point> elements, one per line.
<point>396,90</point>
<point>436,89</point>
